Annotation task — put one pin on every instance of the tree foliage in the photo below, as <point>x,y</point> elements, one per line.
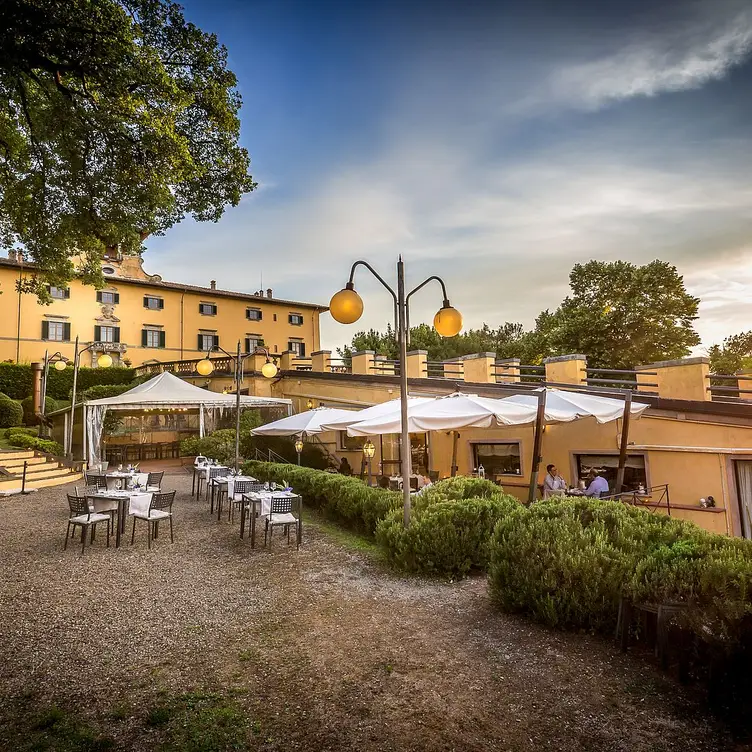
<point>618,314</point>
<point>117,119</point>
<point>735,354</point>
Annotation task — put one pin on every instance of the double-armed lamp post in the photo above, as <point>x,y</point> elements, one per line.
<point>346,307</point>
<point>269,370</point>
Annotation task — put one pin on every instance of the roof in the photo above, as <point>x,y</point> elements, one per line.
<point>208,291</point>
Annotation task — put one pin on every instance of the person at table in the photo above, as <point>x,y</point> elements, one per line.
<point>344,467</point>
<point>553,483</point>
<point>598,485</point>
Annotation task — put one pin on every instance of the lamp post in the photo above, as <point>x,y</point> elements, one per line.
<point>368,451</point>
<point>269,370</point>
<point>103,361</point>
<point>346,307</point>
<point>59,363</point>
<point>299,446</point>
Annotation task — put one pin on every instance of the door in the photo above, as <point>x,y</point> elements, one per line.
<point>743,470</point>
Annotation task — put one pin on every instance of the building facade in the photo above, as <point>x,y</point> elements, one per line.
<point>139,318</point>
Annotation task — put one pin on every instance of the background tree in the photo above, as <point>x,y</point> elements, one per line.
<point>621,315</point>
<point>735,354</point>
<point>117,119</point>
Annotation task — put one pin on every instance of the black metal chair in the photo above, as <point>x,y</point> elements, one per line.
<point>98,480</point>
<point>82,516</point>
<point>154,481</point>
<point>239,488</point>
<point>160,509</point>
<point>212,485</point>
<point>281,515</point>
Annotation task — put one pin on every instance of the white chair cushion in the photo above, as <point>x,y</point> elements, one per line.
<point>283,519</point>
<point>153,488</point>
<point>85,519</point>
<point>155,514</point>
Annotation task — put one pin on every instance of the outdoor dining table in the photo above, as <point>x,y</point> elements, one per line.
<point>229,481</point>
<point>127,502</point>
<point>262,499</point>
<point>202,472</point>
<point>119,478</point>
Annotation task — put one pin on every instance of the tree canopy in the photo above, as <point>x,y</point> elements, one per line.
<point>618,314</point>
<point>735,354</point>
<point>117,119</point>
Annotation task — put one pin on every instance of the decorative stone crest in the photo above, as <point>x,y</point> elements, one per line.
<point>108,314</point>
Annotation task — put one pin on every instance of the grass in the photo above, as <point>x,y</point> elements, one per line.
<point>55,729</point>
<point>347,539</point>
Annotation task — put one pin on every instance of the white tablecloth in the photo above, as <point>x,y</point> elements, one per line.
<point>230,481</point>
<point>113,479</point>
<point>203,470</point>
<point>266,499</point>
<point>137,502</point>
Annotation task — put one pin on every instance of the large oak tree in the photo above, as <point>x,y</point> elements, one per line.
<point>118,118</point>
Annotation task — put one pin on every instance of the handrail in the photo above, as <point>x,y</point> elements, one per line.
<point>639,500</point>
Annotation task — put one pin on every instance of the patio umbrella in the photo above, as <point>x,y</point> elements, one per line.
<point>448,413</point>
<point>371,413</point>
<point>309,422</point>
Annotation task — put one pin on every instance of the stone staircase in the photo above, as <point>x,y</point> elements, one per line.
<point>41,471</point>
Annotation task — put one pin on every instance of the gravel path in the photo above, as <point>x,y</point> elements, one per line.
<point>323,649</point>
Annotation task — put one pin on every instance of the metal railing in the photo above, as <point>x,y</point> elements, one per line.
<point>613,377</point>
<point>384,366</point>
<point>269,455</point>
<point>339,365</point>
<point>721,392</point>
<point>647,499</point>
<point>521,373</point>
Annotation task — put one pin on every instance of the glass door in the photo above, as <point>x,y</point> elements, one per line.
<point>743,470</point>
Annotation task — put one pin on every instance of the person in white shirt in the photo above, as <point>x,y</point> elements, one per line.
<point>598,486</point>
<point>553,483</point>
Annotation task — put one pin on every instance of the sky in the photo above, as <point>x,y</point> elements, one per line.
<point>494,144</point>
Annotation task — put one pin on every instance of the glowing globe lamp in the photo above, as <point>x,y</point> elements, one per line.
<point>448,321</point>
<point>205,367</point>
<point>60,365</point>
<point>104,360</point>
<point>346,306</point>
<point>269,370</point>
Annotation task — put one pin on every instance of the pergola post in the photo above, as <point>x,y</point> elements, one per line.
<point>624,442</point>
<point>537,442</point>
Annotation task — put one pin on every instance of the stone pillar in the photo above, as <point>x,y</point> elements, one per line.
<point>508,371</point>
<point>320,360</point>
<point>362,362</point>
<point>416,364</point>
<point>36,373</point>
<point>453,368</point>
<point>566,369</point>
<point>683,379</point>
<point>479,367</point>
<point>285,360</point>
<point>381,367</point>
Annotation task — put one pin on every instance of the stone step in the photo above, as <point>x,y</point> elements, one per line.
<point>7,455</point>
<point>63,477</point>
<point>13,466</point>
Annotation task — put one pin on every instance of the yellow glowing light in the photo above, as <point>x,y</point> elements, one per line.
<point>269,370</point>
<point>346,306</point>
<point>60,365</point>
<point>369,449</point>
<point>448,321</point>
<point>298,445</point>
<point>205,367</point>
<point>104,360</point>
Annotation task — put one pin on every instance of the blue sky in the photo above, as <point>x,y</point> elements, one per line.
<point>493,143</point>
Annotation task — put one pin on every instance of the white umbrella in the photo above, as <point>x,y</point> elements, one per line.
<point>371,413</point>
<point>308,422</point>
<point>448,413</point>
<point>563,406</point>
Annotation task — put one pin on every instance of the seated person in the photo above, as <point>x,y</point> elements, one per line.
<point>383,482</point>
<point>553,483</point>
<point>344,467</point>
<point>598,486</point>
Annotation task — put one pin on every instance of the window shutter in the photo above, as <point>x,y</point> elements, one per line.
<point>200,342</point>
<point>99,296</point>
<point>117,297</point>
<point>200,307</point>
<point>45,330</point>
<point>216,339</point>
<point>49,289</point>
<point>116,334</point>
<point>67,292</point>
<point>161,303</point>
<point>247,345</point>
<point>302,349</point>
<point>214,310</point>
<point>146,302</point>
<point>162,339</point>
<point>66,332</point>
<point>98,332</point>
<point>289,319</point>
<point>143,336</point>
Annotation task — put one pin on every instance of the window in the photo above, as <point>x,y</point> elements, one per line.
<point>57,331</point>
<point>59,293</point>
<point>154,304</point>
<point>107,334</point>
<point>152,338</point>
<point>296,319</point>
<point>107,297</point>
<point>607,465</point>
<point>351,443</point>
<point>207,309</point>
<point>502,458</point>
<point>297,347</point>
<point>107,270</point>
<point>251,343</point>
<point>254,314</point>
<point>207,342</point>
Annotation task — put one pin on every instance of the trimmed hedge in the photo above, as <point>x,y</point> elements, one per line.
<point>11,413</point>
<point>344,499</point>
<point>30,442</point>
<point>21,430</point>
<point>101,391</point>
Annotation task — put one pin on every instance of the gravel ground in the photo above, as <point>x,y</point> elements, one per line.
<point>322,649</point>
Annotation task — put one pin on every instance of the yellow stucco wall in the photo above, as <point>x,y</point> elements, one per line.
<point>179,319</point>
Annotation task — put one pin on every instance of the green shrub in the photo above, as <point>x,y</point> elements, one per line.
<point>21,430</point>
<point>101,391</point>
<point>344,499</point>
<point>11,413</point>
<point>30,442</point>
<point>30,418</point>
<point>219,445</point>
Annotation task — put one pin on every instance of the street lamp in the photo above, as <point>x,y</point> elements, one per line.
<point>269,370</point>
<point>310,404</point>
<point>103,361</point>
<point>59,362</point>
<point>346,307</point>
<point>299,446</point>
<point>368,452</point>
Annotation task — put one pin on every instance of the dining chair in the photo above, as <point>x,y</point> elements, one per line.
<point>96,479</point>
<point>154,481</point>
<point>82,516</point>
<point>239,488</point>
<point>281,515</point>
<point>211,483</point>
<point>160,508</point>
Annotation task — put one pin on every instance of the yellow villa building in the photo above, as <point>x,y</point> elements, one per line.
<point>140,318</point>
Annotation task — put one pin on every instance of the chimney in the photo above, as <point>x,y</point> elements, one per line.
<point>269,293</point>
<point>213,284</point>
<point>12,254</point>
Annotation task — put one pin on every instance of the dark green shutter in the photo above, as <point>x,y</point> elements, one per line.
<point>200,307</point>
<point>67,292</point>
<point>146,302</point>
<point>98,332</point>
<point>302,349</point>
<point>214,310</point>
<point>66,332</point>
<point>161,303</point>
<point>45,330</point>
<point>162,339</point>
<point>143,336</point>
<point>116,334</point>
<point>247,345</point>
<point>117,297</point>
<point>216,340</point>
<point>200,342</point>
<point>261,342</point>
<point>99,296</point>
